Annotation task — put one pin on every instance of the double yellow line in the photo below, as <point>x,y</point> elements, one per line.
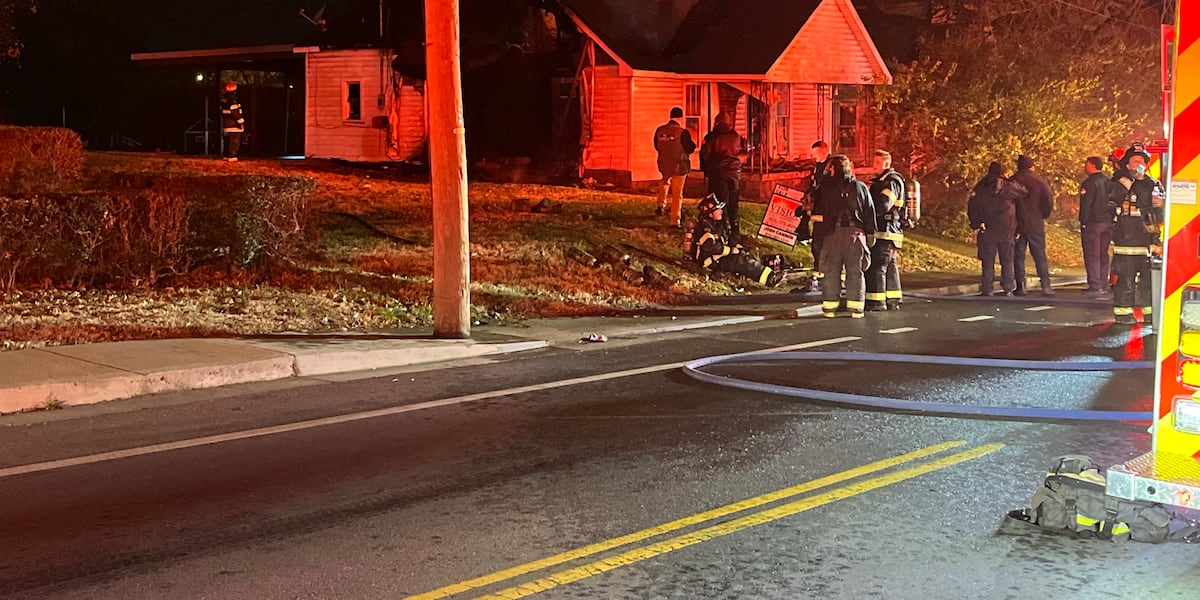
<point>638,554</point>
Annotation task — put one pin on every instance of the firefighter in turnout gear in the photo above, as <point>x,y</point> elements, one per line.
<point>883,278</point>
<point>711,249</point>
<point>233,121</point>
<point>1138,198</point>
<point>844,204</point>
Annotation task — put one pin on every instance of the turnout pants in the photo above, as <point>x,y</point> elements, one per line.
<point>1036,243</point>
<point>845,249</point>
<point>741,264</point>
<point>233,143</point>
<point>728,190</point>
<point>992,244</point>
<point>883,278</point>
<point>1133,284</point>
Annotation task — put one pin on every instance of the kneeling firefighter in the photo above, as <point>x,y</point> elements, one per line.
<point>712,249</point>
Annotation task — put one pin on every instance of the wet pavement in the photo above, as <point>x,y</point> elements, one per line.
<point>607,450</point>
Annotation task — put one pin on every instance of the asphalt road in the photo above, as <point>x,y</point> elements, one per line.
<point>595,472</point>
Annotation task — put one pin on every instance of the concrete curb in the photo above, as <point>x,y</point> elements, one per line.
<point>973,288</point>
<point>103,389</point>
<point>92,381</point>
<point>328,362</point>
<point>690,326</point>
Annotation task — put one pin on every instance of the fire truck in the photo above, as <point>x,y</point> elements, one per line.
<point>1170,473</point>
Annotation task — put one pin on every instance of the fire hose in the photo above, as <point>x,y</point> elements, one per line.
<point>694,369</point>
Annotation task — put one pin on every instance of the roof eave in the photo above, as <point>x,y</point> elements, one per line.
<point>623,67</point>
<point>212,53</point>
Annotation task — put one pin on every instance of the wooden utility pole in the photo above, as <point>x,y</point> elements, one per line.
<point>448,167</point>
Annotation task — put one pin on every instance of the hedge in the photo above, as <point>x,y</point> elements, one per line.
<point>39,158</point>
<point>143,229</point>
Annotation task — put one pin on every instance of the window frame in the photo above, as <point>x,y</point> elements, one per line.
<point>693,120</point>
<point>348,102</point>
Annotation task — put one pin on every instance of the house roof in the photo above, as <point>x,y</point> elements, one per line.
<point>695,36</point>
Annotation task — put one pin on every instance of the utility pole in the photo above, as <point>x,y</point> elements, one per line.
<point>448,168</point>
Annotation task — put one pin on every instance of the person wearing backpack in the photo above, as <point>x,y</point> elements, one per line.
<point>993,215</point>
<point>883,278</point>
<point>1095,225</point>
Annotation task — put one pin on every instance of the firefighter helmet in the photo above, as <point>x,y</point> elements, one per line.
<point>231,87</point>
<point>709,204</point>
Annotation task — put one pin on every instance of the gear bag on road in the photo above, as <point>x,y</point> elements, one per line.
<point>1073,499</point>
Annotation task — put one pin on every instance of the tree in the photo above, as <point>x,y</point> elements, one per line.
<point>10,44</point>
<point>1058,81</point>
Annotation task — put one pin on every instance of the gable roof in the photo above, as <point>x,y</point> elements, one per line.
<point>714,37</point>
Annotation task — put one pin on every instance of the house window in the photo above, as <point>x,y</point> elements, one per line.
<point>693,108</point>
<point>354,101</point>
<point>845,110</point>
<point>781,97</point>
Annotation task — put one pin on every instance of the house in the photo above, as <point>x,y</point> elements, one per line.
<point>591,79</point>
<point>792,71</point>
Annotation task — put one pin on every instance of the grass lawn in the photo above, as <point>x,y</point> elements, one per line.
<point>373,269</point>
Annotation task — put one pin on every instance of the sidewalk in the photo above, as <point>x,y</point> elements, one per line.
<point>90,373</point>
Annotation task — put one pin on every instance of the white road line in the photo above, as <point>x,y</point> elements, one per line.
<point>372,414</point>
<point>897,330</point>
<point>1039,308</point>
<point>974,319</point>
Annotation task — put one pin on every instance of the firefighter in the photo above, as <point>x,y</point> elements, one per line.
<point>713,251</point>
<point>674,145</point>
<point>844,204</point>
<point>721,157</point>
<point>887,193</point>
<point>1032,212</point>
<point>809,215</point>
<point>1138,199</point>
<point>233,122</point>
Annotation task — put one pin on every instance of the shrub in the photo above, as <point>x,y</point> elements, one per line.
<point>144,228</point>
<point>39,158</point>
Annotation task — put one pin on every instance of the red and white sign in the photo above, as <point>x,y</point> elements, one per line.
<point>780,222</point>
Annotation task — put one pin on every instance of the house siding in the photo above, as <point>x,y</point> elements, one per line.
<point>830,48</point>
<point>608,148</point>
<point>409,128</point>
<point>812,117</point>
<point>652,101</point>
<point>329,134</point>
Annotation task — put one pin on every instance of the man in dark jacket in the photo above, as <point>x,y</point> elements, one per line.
<point>1032,212</point>
<point>820,153</point>
<point>883,278</point>
<point>674,146</point>
<point>721,157</point>
<point>1095,225</point>
<point>713,251</point>
<point>844,203</point>
<point>993,214</point>
<point>1138,198</point>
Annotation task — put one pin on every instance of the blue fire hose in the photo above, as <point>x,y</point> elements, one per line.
<point>695,368</point>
